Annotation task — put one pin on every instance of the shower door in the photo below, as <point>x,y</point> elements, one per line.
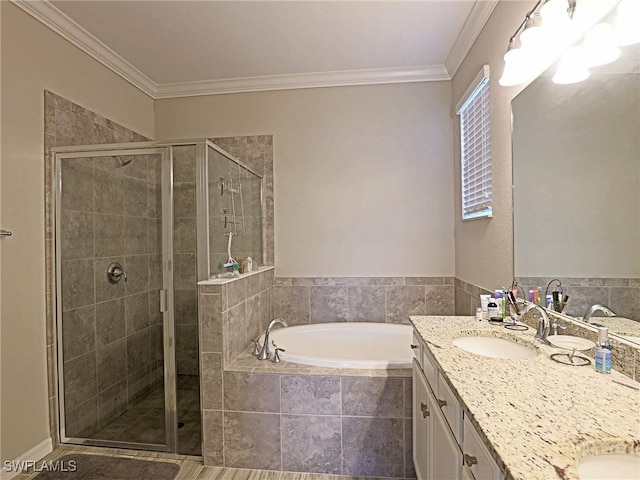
<point>114,296</point>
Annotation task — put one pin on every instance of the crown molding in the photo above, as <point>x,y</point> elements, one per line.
<point>60,23</point>
<point>430,73</point>
<point>476,21</point>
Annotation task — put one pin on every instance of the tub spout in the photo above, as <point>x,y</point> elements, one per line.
<point>265,353</point>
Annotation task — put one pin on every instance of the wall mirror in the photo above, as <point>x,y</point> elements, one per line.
<point>576,175</point>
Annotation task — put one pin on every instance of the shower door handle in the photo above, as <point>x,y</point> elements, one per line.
<point>164,301</point>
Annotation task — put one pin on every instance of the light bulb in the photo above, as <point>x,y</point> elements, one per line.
<point>571,67</point>
<point>626,29</point>
<point>554,13</point>
<point>532,33</point>
<point>600,46</point>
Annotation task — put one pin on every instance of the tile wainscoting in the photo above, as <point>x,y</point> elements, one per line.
<point>301,300</point>
<point>622,295</point>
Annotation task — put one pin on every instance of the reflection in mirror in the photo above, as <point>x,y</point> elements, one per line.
<point>576,174</point>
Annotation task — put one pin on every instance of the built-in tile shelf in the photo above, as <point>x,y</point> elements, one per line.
<point>225,280</point>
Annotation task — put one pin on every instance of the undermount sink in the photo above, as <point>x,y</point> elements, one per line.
<point>495,347</point>
<point>610,467</point>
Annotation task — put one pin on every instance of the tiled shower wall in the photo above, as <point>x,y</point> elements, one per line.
<point>256,152</point>
<point>235,203</point>
<point>301,300</point>
<point>184,254</point>
<point>110,213</point>
<point>90,217</point>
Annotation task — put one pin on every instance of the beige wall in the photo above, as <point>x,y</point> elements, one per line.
<point>34,59</point>
<point>484,247</point>
<point>362,175</point>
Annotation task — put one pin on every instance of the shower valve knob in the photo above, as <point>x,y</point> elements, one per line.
<point>115,273</point>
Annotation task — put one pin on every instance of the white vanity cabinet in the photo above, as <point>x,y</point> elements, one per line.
<point>422,407</point>
<point>445,443</point>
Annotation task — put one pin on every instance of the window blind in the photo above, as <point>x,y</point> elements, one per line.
<point>475,140</point>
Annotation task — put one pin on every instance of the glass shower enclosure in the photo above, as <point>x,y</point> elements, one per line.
<point>136,227</point>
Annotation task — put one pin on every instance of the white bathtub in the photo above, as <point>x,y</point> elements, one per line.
<point>346,345</point>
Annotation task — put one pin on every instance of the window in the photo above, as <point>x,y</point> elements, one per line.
<point>475,145</point>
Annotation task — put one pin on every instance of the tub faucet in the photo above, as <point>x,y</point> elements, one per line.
<point>595,308</point>
<point>544,324</point>
<point>265,353</point>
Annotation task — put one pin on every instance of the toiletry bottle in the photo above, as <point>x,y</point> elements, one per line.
<point>549,302</point>
<point>479,314</point>
<point>492,308</point>
<point>484,303</point>
<point>603,351</point>
<point>499,299</point>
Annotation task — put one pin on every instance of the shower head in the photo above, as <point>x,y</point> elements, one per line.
<point>124,161</point>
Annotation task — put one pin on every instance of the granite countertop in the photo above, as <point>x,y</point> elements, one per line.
<point>537,417</point>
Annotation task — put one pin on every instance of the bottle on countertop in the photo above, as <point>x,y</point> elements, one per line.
<point>492,308</point>
<point>603,351</point>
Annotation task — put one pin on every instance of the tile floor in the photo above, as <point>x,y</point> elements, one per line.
<point>191,468</point>
<point>145,422</point>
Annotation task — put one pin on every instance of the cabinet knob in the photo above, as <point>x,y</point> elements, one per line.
<point>442,403</point>
<point>413,347</point>
<point>425,410</point>
<point>470,461</point>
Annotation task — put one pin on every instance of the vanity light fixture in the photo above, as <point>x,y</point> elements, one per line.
<point>552,26</point>
<point>626,30</point>
<point>531,47</point>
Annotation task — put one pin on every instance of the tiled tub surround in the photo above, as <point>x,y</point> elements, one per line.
<point>313,419</point>
<point>468,297</point>
<point>301,300</point>
<point>622,295</point>
<point>288,416</point>
<point>66,124</point>
<point>232,313</point>
<point>536,417</point>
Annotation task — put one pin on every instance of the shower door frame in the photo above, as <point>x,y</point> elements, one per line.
<point>167,310</point>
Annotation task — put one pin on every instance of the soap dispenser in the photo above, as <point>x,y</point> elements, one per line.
<point>603,351</point>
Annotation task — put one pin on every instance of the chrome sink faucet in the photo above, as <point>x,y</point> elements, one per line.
<point>265,353</point>
<point>595,308</point>
<point>544,324</point>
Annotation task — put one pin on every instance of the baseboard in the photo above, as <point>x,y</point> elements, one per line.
<point>34,454</point>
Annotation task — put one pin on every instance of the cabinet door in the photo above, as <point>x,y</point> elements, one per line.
<point>476,455</point>
<point>466,474</point>
<point>421,424</point>
<point>445,454</point>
